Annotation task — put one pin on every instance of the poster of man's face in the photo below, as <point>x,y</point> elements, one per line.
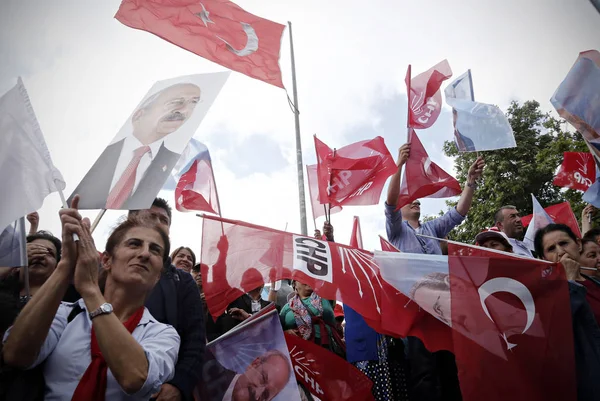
<point>134,166</point>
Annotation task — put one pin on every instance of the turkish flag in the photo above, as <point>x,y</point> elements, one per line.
<point>578,171</point>
<point>196,189</point>
<point>423,178</point>
<point>512,327</point>
<point>386,246</point>
<point>356,236</point>
<point>559,213</point>
<point>326,375</point>
<point>424,96</point>
<point>354,174</point>
<point>217,30</point>
<point>238,257</point>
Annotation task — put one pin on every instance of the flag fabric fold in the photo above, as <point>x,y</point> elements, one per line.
<point>326,375</point>
<point>539,220</point>
<point>217,30</point>
<point>423,178</point>
<point>424,97</point>
<point>507,313</point>
<point>238,257</point>
<point>13,245</point>
<point>576,171</point>
<point>477,126</point>
<point>356,235</point>
<point>354,174</point>
<point>559,213</point>
<point>386,246</point>
<point>28,174</point>
<point>196,188</point>
<point>313,191</point>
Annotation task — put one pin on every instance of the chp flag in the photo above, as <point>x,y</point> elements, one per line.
<point>28,174</point>
<point>354,174</point>
<point>577,171</point>
<point>477,126</point>
<point>238,257</point>
<point>424,97</point>
<point>423,178</point>
<point>217,30</point>
<point>313,190</point>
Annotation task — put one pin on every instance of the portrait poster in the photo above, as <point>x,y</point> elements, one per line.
<point>250,362</point>
<point>136,163</point>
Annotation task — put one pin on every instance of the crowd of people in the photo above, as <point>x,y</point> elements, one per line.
<point>131,322</point>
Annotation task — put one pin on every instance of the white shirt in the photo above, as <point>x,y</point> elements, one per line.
<point>130,145</point>
<point>66,351</point>
<point>520,248</point>
<point>229,393</point>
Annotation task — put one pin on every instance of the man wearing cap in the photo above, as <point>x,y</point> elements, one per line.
<point>494,239</point>
<point>508,220</point>
<point>338,313</point>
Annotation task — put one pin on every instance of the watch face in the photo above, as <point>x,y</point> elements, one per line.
<point>106,308</point>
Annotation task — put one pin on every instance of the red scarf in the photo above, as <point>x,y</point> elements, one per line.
<point>92,386</point>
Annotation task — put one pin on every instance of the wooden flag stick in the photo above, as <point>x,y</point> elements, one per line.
<point>97,220</point>
<point>25,267</point>
<point>65,206</point>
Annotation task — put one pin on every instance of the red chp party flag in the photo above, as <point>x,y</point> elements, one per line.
<point>196,188</point>
<point>238,257</point>
<point>423,178</point>
<point>424,96</point>
<point>386,246</point>
<point>326,375</point>
<point>356,236</point>
<point>578,171</point>
<point>561,213</point>
<point>217,30</point>
<point>354,174</point>
<point>313,190</point>
<point>507,313</point>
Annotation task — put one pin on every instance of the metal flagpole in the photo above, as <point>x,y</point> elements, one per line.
<point>301,196</point>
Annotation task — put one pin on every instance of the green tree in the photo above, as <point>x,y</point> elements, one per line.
<point>512,175</point>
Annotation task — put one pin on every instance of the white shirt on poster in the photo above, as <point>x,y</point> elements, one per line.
<point>130,145</point>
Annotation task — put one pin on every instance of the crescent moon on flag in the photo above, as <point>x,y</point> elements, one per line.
<point>251,43</point>
<point>505,284</point>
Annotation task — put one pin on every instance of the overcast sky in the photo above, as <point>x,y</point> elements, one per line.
<point>85,72</point>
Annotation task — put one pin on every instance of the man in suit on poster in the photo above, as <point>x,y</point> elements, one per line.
<point>130,172</point>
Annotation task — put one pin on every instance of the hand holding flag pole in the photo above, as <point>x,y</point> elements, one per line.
<point>65,206</point>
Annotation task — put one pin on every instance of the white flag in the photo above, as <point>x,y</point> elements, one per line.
<point>539,220</point>
<point>27,173</point>
<point>477,126</point>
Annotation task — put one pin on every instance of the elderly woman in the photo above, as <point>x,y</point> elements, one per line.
<point>311,317</point>
<point>114,349</point>
<point>558,243</point>
<point>184,258</point>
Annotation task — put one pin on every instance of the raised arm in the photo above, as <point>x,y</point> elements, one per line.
<point>33,324</point>
<point>394,186</point>
<point>466,198</point>
<point>586,217</point>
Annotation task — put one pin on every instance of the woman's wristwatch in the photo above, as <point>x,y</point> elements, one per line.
<point>104,309</point>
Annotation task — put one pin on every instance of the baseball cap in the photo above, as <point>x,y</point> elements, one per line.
<point>338,311</point>
<point>494,233</point>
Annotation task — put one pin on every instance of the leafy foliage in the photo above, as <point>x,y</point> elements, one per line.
<point>512,175</point>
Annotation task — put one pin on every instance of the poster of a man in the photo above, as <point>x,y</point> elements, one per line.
<point>134,166</point>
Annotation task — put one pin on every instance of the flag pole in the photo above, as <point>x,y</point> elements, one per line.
<point>472,92</point>
<point>23,250</point>
<point>408,91</point>
<point>301,196</point>
<point>97,220</point>
<point>212,172</point>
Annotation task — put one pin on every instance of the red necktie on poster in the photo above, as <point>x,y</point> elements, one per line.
<point>124,186</point>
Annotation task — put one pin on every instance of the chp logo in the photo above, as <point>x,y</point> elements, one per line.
<point>312,257</point>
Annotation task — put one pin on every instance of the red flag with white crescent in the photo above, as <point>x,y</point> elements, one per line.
<point>507,313</point>
<point>559,213</point>
<point>217,30</point>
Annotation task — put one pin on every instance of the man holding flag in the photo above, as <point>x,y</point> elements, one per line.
<point>432,376</point>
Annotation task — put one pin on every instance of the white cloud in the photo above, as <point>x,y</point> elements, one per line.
<point>85,72</point>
